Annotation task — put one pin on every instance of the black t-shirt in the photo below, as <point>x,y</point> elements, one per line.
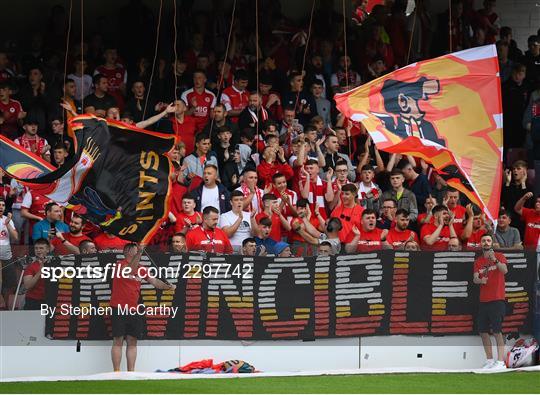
<point>103,103</point>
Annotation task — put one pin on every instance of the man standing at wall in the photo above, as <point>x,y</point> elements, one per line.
<point>489,271</point>
<point>126,290</point>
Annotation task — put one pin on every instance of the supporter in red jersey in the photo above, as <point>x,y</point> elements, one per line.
<point>368,237</point>
<point>349,212</point>
<point>273,162</point>
<point>271,100</point>
<point>68,243</point>
<point>475,227</point>
<point>489,271</point>
<point>297,160</point>
<point>116,75</point>
<point>272,210</point>
<point>427,217</point>
<point>306,229</point>
<point>236,97</point>
<point>126,291</point>
<point>30,140</point>
<point>252,194</point>
<point>209,237</point>
<point>314,189</point>
<point>452,200</point>
<point>399,235</point>
<point>33,208</point>
<point>182,125</point>
<point>340,180</point>
<point>107,242</point>
<point>199,100</point>
<point>286,198</point>
<point>369,192</point>
<point>188,218</point>
<point>436,236</point>
<point>531,218</point>
<point>34,284</point>
<point>11,112</point>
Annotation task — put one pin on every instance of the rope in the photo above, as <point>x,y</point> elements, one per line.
<point>220,84</point>
<point>450,24</point>
<point>412,34</point>
<point>346,65</point>
<point>306,48</point>
<point>155,57</point>
<point>345,46</point>
<point>257,67</point>
<point>175,54</point>
<point>66,59</point>
<point>82,45</point>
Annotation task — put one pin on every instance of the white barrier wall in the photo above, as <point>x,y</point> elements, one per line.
<point>24,351</point>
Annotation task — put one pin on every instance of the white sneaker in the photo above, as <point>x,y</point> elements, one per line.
<point>489,363</point>
<point>498,365</point>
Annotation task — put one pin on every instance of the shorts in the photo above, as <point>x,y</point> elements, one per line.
<point>9,275</point>
<point>33,304</point>
<point>127,324</point>
<point>491,316</point>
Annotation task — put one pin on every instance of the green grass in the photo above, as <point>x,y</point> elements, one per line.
<point>515,382</point>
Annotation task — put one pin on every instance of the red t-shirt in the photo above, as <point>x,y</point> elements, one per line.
<point>459,212</point>
<point>126,290</point>
<point>38,291</point>
<point>201,239</point>
<point>275,233</point>
<point>473,242</point>
<point>61,249</point>
<point>233,99</point>
<point>441,243</point>
<point>201,103</point>
<point>185,131</point>
<point>104,243</point>
<point>370,241</point>
<point>396,237</point>
<point>10,112</point>
<point>422,216</point>
<point>532,227</point>
<point>349,216</point>
<point>178,192</point>
<point>494,289</point>
<point>181,223</point>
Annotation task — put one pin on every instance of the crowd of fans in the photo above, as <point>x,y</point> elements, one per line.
<point>264,164</point>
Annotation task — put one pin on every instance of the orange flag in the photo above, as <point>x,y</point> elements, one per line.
<point>447,111</point>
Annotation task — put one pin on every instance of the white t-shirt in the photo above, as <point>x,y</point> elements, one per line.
<point>243,231</point>
<point>5,246</point>
<point>210,197</point>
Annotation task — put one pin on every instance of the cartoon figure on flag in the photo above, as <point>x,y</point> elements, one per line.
<point>447,111</point>
<point>403,100</point>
